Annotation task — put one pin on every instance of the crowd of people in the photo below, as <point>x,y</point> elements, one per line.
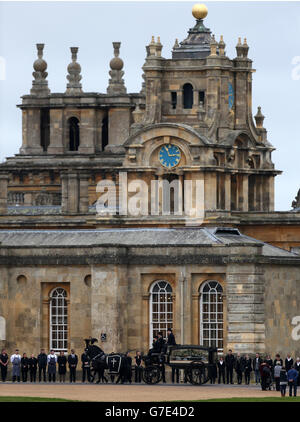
<point>267,372</point>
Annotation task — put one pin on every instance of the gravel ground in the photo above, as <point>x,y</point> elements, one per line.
<point>134,392</point>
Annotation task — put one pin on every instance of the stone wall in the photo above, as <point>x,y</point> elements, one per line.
<point>282,291</point>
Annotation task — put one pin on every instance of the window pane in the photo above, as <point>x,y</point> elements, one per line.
<point>211,315</point>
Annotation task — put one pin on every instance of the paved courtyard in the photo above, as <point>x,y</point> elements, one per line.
<point>134,392</point>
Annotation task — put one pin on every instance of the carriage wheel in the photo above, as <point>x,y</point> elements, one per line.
<point>197,374</point>
<point>151,375</point>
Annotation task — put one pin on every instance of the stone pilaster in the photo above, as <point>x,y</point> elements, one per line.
<point>245,308</point>
<point>108,306</point>
<point>83,193</point>
<point>56,132</point>
<point>3,192</point>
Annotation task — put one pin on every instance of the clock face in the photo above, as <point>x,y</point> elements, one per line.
<point>169,155</point>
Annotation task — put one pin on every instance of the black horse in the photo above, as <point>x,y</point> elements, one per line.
<point>98,359</point>
<point>116,363</point>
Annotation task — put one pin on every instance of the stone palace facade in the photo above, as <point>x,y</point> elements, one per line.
<point>68,271</point>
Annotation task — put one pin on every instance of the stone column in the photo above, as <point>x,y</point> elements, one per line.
<point>3,192</point>
<point>210,191</point>
<point>195,319</point>
<point>56,145</point>
<point>243,196</point>
<point>73,193</point>
<point>119,121</point>
<point>87,131</point>
<point>227,192</point>
<point>64,192</point>
<point>31,143</point>
<point>83,193</point>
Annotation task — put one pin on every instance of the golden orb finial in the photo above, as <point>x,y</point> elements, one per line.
<point>199,11</point>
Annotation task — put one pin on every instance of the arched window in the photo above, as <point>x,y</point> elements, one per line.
<point>58,319</point>
<point>211,315</point>
<point>73,134</point>
<point>161,308</point>
<point>188,96</point>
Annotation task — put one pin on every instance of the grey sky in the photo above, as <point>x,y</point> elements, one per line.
<point>272,30</point>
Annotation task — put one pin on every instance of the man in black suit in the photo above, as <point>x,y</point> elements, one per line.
<point>297,367</point>
<point>161,347</point>
<point>257,361</point>
<point>72,361</point>
<point>289,362</point>
<point>230,363</point>
<point>221,370</point>
<point>171,338</point>
<point>42,363</point>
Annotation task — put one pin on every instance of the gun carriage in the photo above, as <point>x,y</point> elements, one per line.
<point>196,362</point>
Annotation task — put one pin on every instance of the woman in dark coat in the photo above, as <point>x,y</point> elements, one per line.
<point>24,367</point>
<point>62,366</point>
<point>248,369</point>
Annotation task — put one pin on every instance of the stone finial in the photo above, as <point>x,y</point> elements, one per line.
<point>74,77</point>
<point>239,48</point>
<point>213,46</point>
<point>245,48</point>
<point>40,84</point>
<point>259,118</point>
<point>152,47</point>
<point>116,82</point>
<point>222,46</point>
<point>296,202</point>
<point>158,47</point>
<point>176,45</point>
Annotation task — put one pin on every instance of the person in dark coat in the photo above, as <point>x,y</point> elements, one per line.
<point>271,365</point>
<point>265,375</point>
<point>292,376</point>
<point>297,367</point>
<point>72,361</point>
<point>289,362</point>
<point>86,367</point>
<point>221,370</point>
<point>32,363</point>
<point>278,358</point>
<point>128,376</point>
<point>162,349</point>
<point>51,360</point>
<point>212,373</point>
<point>3,364</point>
<point>257,361</point>
<point>138,369</point>
<point>239,368</point>
<point>171,338</point>
<point>62,366</point>
<point>229,362</point>
<point>24,367</point>
<point>42,363</point>
<point>247,369</point>
<point>161,343</point>
<point>283,381</point>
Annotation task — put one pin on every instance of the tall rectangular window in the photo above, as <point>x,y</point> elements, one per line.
<point>174,99</point>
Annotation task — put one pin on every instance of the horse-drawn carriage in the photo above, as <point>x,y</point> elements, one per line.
<point>196,362</point>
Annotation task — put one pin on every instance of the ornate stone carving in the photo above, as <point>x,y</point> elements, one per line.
<point>116,81</point>
<point>296,202</point>
<point>74,86</point>
<point>40,84</point>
